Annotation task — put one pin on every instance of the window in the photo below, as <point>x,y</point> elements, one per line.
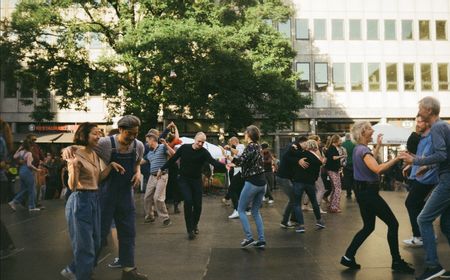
<point>374,76</point>
<point>408,76</point>
<point>268,22</point>
<point>304,82</point>
<point>9,80</point>
<point>443,76</point>
<point>424,29</point>
<point>356,76</point>
<point>425,73</point>
<point>26,87</point>
<point>339,76</point>
<point>321,76</point>
<point>285,28</point>
<point>302,29</point>
<point>441,30</point>
<point>355,29</point>
<point>320,30</point>
<point>337,29</point>
<point>391,76</point>
<point>372,29</point>
<point>389,29</point>
<point>407,30</point>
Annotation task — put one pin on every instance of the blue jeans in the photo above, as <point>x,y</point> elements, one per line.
<point>83,218</point>
<point>26,186</point>
<point>310,190</point>
<point>437,205</point>
<point>254,194</point>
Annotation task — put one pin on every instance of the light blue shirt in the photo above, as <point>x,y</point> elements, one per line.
<point>424,149</point>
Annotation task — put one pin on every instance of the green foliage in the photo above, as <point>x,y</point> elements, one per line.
<point>196,58</point>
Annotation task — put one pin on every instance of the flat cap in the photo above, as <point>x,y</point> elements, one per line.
<point>129,121</point>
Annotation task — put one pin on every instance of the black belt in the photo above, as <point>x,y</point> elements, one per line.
<point>361,185</point>
<point>156,173</point>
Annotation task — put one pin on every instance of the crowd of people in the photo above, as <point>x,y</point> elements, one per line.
<point>101,173</point>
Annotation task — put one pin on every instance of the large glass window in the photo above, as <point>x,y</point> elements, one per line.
<point>301,29</point>
<point>424,29</point>
<point>304,81</point>
<point>355,29</point>
<point>321,76</point>
<point>285,28</point>
<point>337,29</point>
<point>320,30</point>
<point>407,29</point>
<point>389,29</point>
<point>9,80</point>
<point>339,76</point>
<point>372,29</point>
<point>391,76</point>
<point>408,76</point>
<point>374,76</point>
<point>356,76</point>
<point>441,30</point>
<point>425,74</point>
<point>443,73</point>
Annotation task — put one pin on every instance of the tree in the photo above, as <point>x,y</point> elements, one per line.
<point>195,58</point>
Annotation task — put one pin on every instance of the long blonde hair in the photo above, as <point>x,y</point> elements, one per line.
<point>333,139</point>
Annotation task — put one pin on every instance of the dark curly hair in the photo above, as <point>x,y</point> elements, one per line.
<point>82,134</point>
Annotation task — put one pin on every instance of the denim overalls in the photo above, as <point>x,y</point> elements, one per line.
<point>117,202</point>
<point>27,184</point>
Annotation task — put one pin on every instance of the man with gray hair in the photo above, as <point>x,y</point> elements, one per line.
<point>439,202</point>
<point>192,158</point>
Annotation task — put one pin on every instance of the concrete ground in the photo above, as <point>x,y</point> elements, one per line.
<point>166,254</point>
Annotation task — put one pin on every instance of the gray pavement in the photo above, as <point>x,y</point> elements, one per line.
<point>165,253</point>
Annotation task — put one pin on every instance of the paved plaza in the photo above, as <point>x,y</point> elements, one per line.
<point>166,254</point>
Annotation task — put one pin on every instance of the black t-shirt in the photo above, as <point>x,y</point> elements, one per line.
<point>332,164</point>
<point>310,174</point>
<point>191,161</point>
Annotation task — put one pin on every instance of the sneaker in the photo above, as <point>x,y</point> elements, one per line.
<point>300,229</point>
<point>133,275</point>
<point>322,211</point>
<point>196,231</point>
<point>12,204</point>
<point>248,213</point>
<point>264,198</point>
<point>414,242</point>
<point>247,242</point>
<point>191,235</point>
<point>287,225</point>
<point>446,275</point>
<point>115,264</point>
<point>259,244</point>
<point>350,263</point>
<point>271,201</point>
<point>68,274</point>
<point>320,225</point>
<point>402,267</point>
<point>234,215</point>
<point>34,209</point>
<point>148,220</point>
<point>7,253</point>
<point>167,222</point>
<point>431,273</point>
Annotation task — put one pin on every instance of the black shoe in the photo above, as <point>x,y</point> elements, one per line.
<point>196,231</point>
<point>247,242</point>
<point>402,267</point>
<point>350,263</point>
<point>167,222</point>
<point>191,235</point>
<point>431,273</point>
<point>259,244</point>
<point>133,275</point>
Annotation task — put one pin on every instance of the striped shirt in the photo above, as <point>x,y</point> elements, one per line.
<point>157,158</point>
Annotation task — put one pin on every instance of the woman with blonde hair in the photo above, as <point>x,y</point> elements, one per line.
<point>333,166</point>
<point>371,204</point>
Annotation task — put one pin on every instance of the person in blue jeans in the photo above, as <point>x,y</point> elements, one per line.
<point>439,202</point>
<point>254,189</point>
<point>27,182</point>
<point>83,207</point>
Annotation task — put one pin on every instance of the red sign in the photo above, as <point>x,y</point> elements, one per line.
<point>67,127</point>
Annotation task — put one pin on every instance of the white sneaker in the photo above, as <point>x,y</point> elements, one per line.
<point>271,201</point>
<point>248,213</point>
<point>12,204</point>
<point>34,209</point>
<point>264,198</point>
<point>234,215</point>
<point>68,274</point>
<point>322,211</point>
<point>414,242</point>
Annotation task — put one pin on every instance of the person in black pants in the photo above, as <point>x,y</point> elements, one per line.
<point>371,204</point>
<point>192,158</point>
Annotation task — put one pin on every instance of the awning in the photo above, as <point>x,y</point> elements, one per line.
<point>47,138</point>
<point>66,137</point>
<point>40,137</point>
